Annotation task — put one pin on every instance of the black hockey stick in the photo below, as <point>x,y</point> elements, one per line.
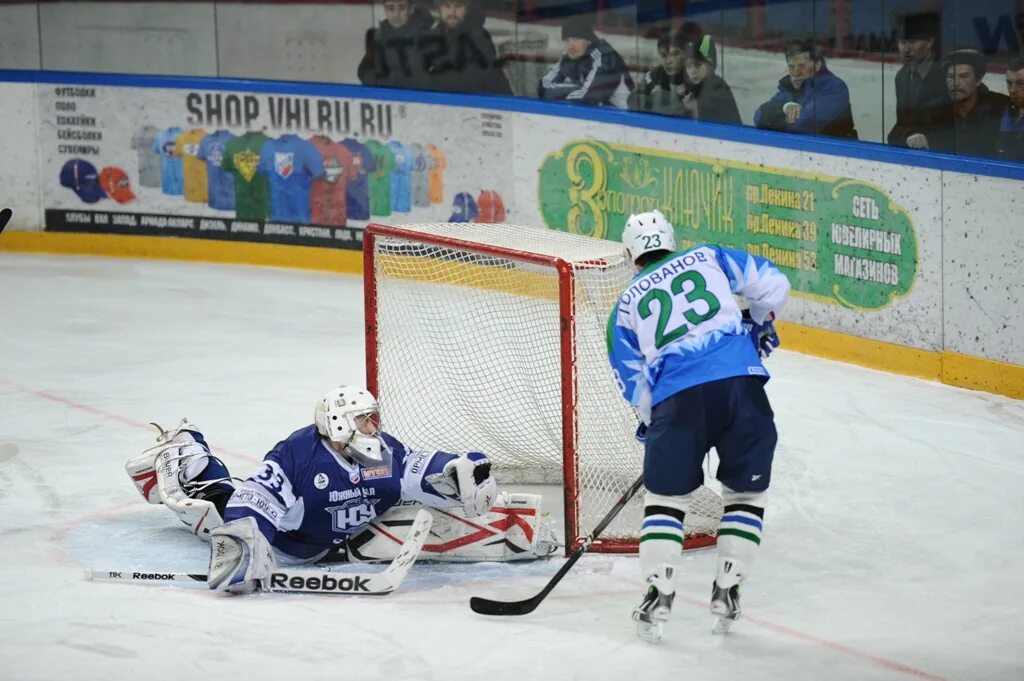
<point>486,606</point>
<point>306,580</point>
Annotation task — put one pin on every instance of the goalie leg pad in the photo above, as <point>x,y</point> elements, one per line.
<point>142,471</point>
<point>166,472</point>
<point>512,530</point>
<point>241,558</point>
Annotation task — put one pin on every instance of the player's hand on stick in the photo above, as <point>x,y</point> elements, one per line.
<point>641,433</point>
<point>763,336</point>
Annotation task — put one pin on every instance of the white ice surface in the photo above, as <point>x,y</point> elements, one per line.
<point>893,544</point>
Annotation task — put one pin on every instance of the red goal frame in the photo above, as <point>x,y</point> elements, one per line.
<point>574,534</point>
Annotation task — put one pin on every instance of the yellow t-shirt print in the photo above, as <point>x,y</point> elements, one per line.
<point>246,162</point>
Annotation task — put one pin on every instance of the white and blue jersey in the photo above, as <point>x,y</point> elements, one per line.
<point>401,177</point>
<point>220,185</point>
<point>171,168</point>
<point>306,499</point>
<point>678,324</point>
<point>291,164</point>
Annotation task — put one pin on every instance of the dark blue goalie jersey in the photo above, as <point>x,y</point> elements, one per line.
<point>306,499</point>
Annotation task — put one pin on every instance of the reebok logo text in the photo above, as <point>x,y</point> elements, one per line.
<point>354,584</point>
<point>156,576</point>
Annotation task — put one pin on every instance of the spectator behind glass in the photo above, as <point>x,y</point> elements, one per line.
<point>1010,142</point>
<point>460,54</point>
<point>589,71</point>
<point>662,88</point>
<point>971,125</point>
<point>921,93</point>
<point>811,99</point>
<point>368,66</point>
<point>709,98</point>
<point>397,60</point>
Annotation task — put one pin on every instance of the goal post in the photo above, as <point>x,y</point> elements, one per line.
<point>491,337</point>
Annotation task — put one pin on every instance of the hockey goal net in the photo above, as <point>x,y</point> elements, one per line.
<point>491,337</point>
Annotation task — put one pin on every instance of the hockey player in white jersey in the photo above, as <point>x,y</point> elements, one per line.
<point>340,487</point>
<point>689,359</point>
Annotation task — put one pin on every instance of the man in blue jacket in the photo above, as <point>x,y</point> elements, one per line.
<point>811,99</point>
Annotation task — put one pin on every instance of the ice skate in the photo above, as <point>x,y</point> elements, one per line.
<point>652,613</point>
<point>725,606</point>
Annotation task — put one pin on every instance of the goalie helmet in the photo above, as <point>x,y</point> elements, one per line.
<point>646,232</point>
<point>350,416</point>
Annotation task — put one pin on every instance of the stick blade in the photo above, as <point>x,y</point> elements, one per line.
<point>485,606</point>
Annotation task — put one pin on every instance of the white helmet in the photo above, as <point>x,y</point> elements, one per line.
<point>646,232</point>
<point>336,417</point>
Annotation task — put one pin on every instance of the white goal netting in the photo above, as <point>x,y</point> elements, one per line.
<point>492,338</point>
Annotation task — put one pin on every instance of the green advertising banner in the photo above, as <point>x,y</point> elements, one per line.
<point>840,241</point>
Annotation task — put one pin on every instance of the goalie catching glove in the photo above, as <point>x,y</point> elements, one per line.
<point>465,480</point>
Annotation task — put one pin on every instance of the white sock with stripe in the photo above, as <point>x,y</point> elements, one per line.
<point>739,534</point>
<point>662,531</point>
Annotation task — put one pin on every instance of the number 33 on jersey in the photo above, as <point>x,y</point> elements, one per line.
<point>678,324</point>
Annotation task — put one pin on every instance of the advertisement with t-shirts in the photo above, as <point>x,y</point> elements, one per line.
<point>271,168</point>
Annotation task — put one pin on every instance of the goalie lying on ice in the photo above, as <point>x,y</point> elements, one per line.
<point>337,489</point>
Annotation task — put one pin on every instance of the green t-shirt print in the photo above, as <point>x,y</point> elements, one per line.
<point>252,191</point>
<point>380,179</point>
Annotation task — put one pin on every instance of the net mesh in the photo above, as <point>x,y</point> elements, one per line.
<point>468,357</point>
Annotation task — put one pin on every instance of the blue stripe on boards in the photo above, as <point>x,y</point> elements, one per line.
<point>753,522</point>
<point>869,151</point>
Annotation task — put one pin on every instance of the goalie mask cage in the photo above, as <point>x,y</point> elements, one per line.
<point>491,337</point>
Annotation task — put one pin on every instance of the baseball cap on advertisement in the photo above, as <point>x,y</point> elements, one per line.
<point>464,208</point>
<point>490,207</point>
<point>81,177</point>
<point>114,182</point>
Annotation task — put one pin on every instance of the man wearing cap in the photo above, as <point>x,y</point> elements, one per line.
<point>920,83</point>
<point>709,97</point>
<point>971,125</point>
<point>589,71</point>
<point>1010,143</point>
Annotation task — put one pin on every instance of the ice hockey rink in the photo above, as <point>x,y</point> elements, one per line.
<point>893,545</point>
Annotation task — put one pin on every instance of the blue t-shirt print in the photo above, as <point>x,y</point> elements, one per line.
<point>291,164</point>
<point>401,177</point>
<point>171,168</point>
<point>220,185</point>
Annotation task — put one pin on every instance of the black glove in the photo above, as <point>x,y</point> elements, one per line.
<point>641,433</point>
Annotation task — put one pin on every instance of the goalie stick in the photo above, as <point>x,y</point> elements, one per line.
<point>486,606</point>
<point>306,580</point>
